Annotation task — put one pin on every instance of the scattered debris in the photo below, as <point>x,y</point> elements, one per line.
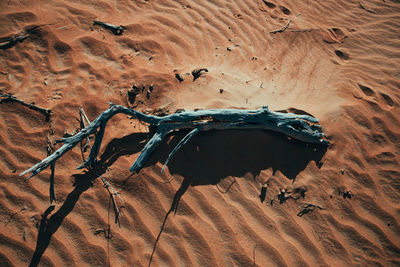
<point>283,29</point>
<point>238,16</point>
<point>12,216</point>
<point>281,196</point>
<point>149,91</point>
<point>347,194</point>
<point>179,77</point>
<point>308,208</point>
<point>132,93</point>
<point>295,194</point>
<point>197,73</point>
<point>117,30</point>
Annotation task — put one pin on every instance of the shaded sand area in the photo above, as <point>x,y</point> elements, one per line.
<point>337,60</point>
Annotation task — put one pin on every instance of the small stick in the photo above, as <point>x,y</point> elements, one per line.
<point>5,98</point>
<point>117,30</point>
<point>110,189</point>
<point>306,30</point>
<point>83,116</point>
<point>197,73</point>
<point>308,208</point>
<point>283,29</point>
<point>227,190</point>
<point>113,193</point>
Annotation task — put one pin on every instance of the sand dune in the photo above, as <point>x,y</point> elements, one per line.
<point>336,60</point>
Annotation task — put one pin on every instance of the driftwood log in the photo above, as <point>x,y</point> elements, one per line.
<point>301,127</point>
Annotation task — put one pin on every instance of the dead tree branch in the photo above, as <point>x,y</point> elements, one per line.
<point>300,127</point>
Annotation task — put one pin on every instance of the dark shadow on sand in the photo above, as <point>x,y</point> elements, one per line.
<point>205,160</point>
<point>212,156</point>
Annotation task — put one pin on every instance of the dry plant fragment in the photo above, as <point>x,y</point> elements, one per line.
<point>283,29</point>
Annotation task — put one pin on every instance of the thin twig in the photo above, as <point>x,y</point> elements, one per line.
<point>5,98</point>
<point>283,29</point>
<point>50,150</point>
<point>308,208</point>
<point>305,30</point>
<point>110,189</point>
<point>227,190</point>
<point>83,117</point>
<point>112,192</point>
<point>254,255</point>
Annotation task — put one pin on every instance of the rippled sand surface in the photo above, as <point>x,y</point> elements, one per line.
<point>336,60</point>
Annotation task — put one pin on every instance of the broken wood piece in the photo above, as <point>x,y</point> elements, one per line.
<point>132,93</point>
<point>117,30</point>
<point>283,29</point>
<point>8,42</point>
<point>301,127</point>
<point>308,208</point>
<point>178,77</point>
<point>12,41</point>
<point>263,193</point>
<point>197,73</point>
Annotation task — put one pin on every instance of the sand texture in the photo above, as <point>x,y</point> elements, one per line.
<point>336,60</point>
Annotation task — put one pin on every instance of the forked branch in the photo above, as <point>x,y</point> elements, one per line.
<point>300,127</point>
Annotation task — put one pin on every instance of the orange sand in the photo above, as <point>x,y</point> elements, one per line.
<point>337,60</point>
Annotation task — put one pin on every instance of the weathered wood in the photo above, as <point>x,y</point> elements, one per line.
<point>300,127</point>
<point>116,30</point>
